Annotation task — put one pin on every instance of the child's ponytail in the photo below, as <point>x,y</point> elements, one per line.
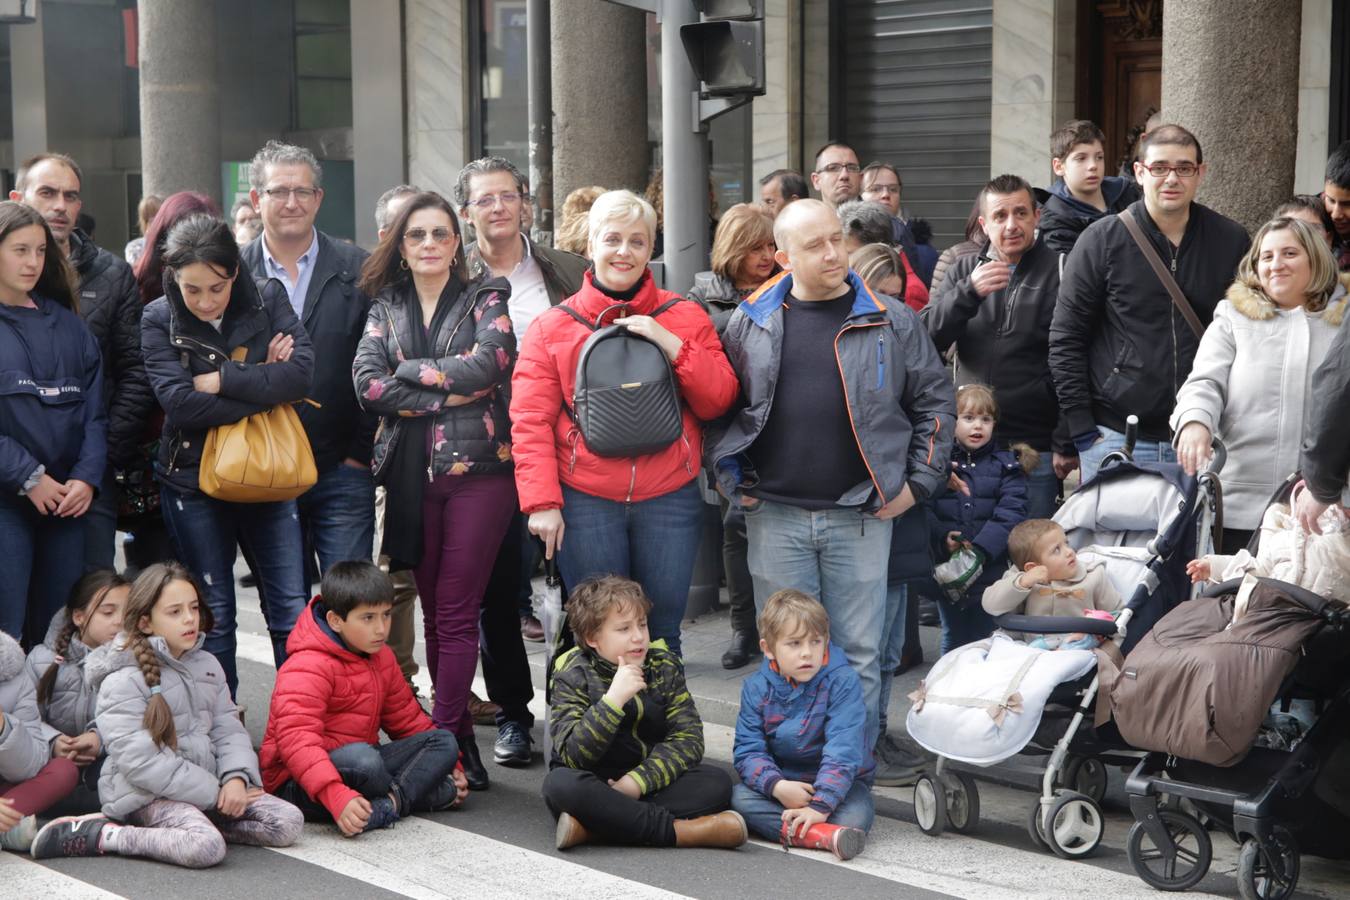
<point>48,679</point>
<point>84,597</point>
<point>1028,456</point>
<point>158,717</point>
<point>145,593</point>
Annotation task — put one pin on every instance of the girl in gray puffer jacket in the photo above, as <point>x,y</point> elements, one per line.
<point>30,780</point>
<point>92,617</point>
<point>180,768</point>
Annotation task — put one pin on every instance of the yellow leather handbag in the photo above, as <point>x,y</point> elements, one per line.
<point>259,459</point>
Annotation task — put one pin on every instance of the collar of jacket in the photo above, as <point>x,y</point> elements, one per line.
<point>326,638</point>
<point>245,300</point>
<point>590,301</point>
<point>772,294</point>
<point>44,306</point>
<point>1254,304</point>
<point>980,452</point>
<point>1112,187</point>
<point>330,259</point>
<point>83,254</point>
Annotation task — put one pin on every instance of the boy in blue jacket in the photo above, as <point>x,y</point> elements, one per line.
<point>801,750</point>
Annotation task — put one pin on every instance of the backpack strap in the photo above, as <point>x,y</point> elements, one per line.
<point>576,315</point>
<point>665,306</point>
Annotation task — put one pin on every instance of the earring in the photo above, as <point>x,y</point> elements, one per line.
<point>403,263</point>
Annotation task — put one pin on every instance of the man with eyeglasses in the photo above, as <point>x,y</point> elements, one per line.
<point>337,515</point>
<point>1119,346</point>
<point>491,193</point>
<point>110,306</point>
<point>838,176</point>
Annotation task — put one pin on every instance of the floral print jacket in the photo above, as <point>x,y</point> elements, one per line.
<point>462,387</point>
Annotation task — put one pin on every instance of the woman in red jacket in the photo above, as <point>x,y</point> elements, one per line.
<point>638,517</point>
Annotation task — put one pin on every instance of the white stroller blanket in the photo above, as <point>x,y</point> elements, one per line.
<point>982,702</point>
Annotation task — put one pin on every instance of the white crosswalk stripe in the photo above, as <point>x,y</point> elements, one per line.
<point>20,877</point>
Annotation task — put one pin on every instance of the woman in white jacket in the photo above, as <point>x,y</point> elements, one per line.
<point>1250,383</point>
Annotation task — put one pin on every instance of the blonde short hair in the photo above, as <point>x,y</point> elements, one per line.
<point>1321,264</point>
<point>790,612</point>
<point>874,263</point>
<point>573,229</point>
<point>620,208</point>
<point>1022,540</point>
<point>978,398</point>
<point>743,228</point>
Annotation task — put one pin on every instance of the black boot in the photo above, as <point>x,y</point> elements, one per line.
<point>474,770</point>
<point>744,647</point>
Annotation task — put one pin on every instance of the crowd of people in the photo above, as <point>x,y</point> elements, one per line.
<point>860,408</point>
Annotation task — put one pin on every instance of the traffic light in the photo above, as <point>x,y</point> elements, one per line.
<point>726,48</point>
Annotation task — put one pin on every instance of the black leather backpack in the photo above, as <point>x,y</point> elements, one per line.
<point>626,400</point>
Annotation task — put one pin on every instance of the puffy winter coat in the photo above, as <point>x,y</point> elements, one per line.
<point>70,708</point>
<point>900,398</point>
<point>548,447</point>
<point>1088,589</point>
<point>1325,457</point>
<point>51,398</point>
<point>213,746</point>
<point>718,297</point>
<point>811,732</point>
<point>1064,217</point>
<point>110,305</point>
<point>1251,385</point>
<point>1118,345</point>
<point>655,738</point>
<point>1004,340</point>
<point>997,503</point>
<point>474,350</point>
<point>178,346</point>
<point>25,740</point>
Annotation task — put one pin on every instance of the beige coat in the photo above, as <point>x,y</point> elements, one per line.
<point>1250,385</point>
<point>1089,589</point>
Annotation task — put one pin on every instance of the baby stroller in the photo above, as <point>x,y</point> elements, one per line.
<point>1145,522</point>
<point>1275,801</point>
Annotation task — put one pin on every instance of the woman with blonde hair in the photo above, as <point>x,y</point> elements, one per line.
<point>880,268</point>
<point>1250,381</point>
<point>572,232</point>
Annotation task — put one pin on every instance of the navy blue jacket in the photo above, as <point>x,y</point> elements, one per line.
<point>178,346</point>
<point>51,398</point>
<point>997,503</point>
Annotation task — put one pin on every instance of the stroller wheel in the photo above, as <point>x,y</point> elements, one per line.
<point>963,802</point>
<point>1086,775</point>
<point>930,805</point>
<point>1178,867</point>
<point>1270,874</point>
<point>1073,825</point>
<point>1036,826</point>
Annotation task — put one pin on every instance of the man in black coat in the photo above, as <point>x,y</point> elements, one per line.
<point>111,307</point>
<point>337,515</point>
<point>1325,462</point>
<point>1119,346</point>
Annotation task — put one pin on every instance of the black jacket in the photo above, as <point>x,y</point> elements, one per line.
<point>1003,340</point>
<point>1118,346</point>
<point>178,346</point>
<point>111,306</point>
<point>562,271</point>
<point>1064,218</point>
<point>334,317</point>
<point>1325,460</point>
<point>718,297</point>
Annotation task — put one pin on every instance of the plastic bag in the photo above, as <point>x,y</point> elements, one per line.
<point>958,573</point>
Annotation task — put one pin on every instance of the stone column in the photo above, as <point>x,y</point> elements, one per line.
<point>1033,83</point>
<point>377,107</point>
<point>28,78</point>
<point>180,97</point>
<point>1314,97</point>
<point>1243,106</point>
<point>599,97</point>
<point>437,93</point>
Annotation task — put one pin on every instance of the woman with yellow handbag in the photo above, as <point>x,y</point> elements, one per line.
<point>227,359</point>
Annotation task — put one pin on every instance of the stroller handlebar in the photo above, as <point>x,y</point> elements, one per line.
<point>1056,624</point>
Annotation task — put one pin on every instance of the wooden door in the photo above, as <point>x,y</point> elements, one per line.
<point>1125,50</point>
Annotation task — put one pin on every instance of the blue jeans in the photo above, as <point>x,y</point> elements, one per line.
<point>892,646</point>
<point>1090,460</point>
<point>36,570</point>
<point>963,626</point>
<point>1042,488</point>
<point>204,532</point>
<point>100,526</point>
<point>764,815</point>
<point>337,516</point>
<point>415,768</point>
<point>839,556</point>
<point>652,542</point>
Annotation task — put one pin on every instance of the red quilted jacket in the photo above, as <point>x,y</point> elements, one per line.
<point>326,696</point>
<point>547,445</point>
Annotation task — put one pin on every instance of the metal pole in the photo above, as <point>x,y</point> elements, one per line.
<point>684,160</point>
<point>539,75</point>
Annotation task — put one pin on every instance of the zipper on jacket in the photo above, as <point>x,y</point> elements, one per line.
<point>636,720</point>
<point>848,407</point>
<point>632,482</point>
<point>881,360</point>
<point>688,452</point>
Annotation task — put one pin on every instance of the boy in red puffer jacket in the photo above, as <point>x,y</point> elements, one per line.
<point>340,685</point>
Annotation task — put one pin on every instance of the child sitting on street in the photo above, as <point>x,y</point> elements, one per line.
<point>1048,580</point>
<point>626,761</point>
<point>801,751</point>
<point>339,686</point>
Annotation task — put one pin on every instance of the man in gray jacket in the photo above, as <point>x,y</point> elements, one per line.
<point>845,422</point>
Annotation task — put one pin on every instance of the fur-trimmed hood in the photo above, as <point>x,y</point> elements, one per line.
<point>1256,305</point>
<point>11,657</point>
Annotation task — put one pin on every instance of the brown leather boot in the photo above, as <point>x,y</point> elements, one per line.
<point>484,712</point>
<point>841,840</point>
<point>570,833</point>
<point>724,829</point>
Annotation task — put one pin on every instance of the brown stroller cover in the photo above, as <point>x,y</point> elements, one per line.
<point>1198,689</point>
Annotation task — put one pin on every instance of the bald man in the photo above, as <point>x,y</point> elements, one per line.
<point>846,423</point>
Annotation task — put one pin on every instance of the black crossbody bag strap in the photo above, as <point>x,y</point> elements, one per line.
<point>1168,282</point>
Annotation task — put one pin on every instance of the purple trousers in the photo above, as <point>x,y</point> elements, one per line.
<point>464,518</point>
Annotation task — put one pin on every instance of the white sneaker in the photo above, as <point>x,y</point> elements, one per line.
<point>20,838</point>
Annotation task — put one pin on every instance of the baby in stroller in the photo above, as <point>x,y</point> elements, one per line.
<point>1047,579</point>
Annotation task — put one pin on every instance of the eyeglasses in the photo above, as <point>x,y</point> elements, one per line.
<point>489,201</point>
<point>415,236</point>
<point>882,189</point>
<point>303,195</point>
<point>836,168</point>
<point>1183,170</point>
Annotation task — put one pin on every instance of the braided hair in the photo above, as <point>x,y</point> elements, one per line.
<point>85,597</point>
<point>145,593</point>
